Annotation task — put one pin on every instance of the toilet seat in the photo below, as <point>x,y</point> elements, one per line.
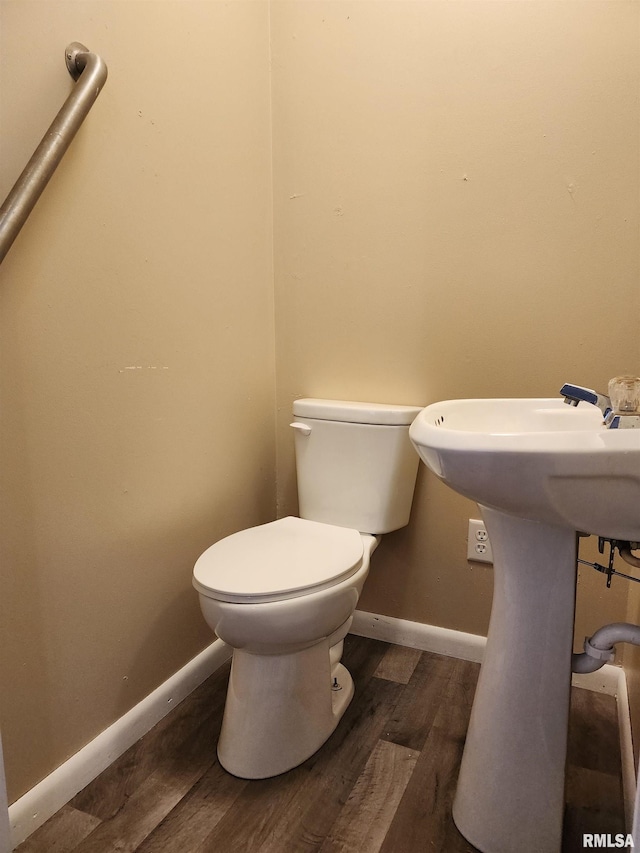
<point>280,560</point>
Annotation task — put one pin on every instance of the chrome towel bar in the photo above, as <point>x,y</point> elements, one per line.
<point>91,72</point>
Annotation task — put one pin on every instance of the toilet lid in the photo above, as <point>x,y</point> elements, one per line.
<point>282,559</point>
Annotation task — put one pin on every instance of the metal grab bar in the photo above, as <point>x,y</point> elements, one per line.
<point>91,72</point>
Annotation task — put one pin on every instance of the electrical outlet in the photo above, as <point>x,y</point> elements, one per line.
<point>478,544</point>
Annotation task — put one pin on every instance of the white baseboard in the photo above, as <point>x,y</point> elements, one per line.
<point>458,644</point>
<point>49,795</point>
<point>5,832</point>
<point>629,782</point>
<point>416,635</point>
<point>444,641</point>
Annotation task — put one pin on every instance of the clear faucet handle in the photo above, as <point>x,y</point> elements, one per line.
<point>625,395</point>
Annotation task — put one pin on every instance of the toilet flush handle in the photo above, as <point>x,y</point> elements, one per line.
<point>305,429</point>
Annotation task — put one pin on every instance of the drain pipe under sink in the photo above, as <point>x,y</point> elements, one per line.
<point>599,649</point>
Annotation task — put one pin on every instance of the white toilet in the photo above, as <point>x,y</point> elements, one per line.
<point>282,595</point>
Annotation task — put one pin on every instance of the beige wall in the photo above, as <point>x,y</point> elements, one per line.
<point>137,355</point>
<point>455,200</point>
<point>456,214</point>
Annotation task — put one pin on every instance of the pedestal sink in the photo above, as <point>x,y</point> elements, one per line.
<point>540,471</point>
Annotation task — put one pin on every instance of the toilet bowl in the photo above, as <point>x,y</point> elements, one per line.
<point>287,689</point>
<point>283,594</point>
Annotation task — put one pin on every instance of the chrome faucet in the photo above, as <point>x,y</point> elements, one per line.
<point>621,410</point>
<point>574,394</point>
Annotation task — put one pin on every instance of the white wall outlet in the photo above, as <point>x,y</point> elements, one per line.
<point>478,544</point>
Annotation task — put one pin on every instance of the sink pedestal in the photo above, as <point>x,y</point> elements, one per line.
<point>510,793</point>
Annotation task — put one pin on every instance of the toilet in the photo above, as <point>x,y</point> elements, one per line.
<point>283,594</point>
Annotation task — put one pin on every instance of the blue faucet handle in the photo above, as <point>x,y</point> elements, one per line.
<point>574,394</point>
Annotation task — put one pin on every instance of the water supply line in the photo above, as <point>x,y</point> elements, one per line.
<point>625,550</point>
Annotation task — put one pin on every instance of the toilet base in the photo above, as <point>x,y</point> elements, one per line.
<point>280,709</point>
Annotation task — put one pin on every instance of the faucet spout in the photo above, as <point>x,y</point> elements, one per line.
<point>574,394</point>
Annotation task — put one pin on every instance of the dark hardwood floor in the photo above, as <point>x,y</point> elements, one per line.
<point>383,783</point>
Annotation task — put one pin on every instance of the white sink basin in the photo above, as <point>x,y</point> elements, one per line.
<point>540,471</point>
<point>538,459</point>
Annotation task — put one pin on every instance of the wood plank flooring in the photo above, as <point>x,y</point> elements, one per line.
<point>383,783</point>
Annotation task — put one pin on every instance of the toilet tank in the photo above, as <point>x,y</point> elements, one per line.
<point>356,466</point>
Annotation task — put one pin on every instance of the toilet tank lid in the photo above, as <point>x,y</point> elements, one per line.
<point>351,412</point>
